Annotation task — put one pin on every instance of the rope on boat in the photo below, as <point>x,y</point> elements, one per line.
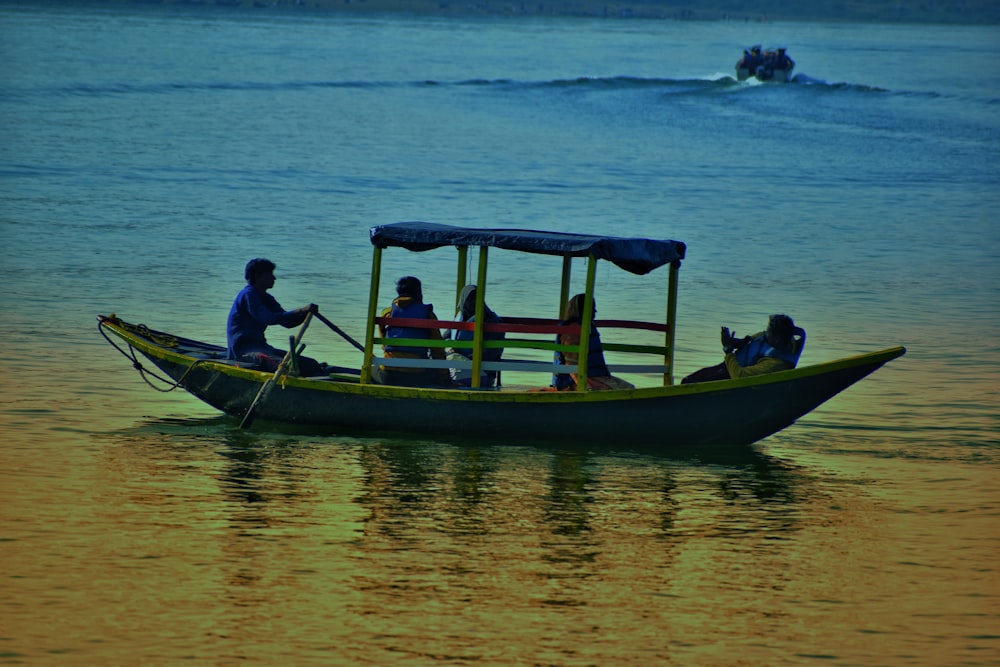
<point>161,339</point>
<point>137,365</point>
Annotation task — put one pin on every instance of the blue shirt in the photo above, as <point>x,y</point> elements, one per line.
<point>252,312</point>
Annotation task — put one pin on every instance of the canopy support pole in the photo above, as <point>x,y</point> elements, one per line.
<point>478,334</point>
<point>366,366</point>
<point>669,337</point>
<point>463,254</point>
<point>586,321</point>
<point>567,270</point>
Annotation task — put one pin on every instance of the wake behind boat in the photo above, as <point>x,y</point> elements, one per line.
<point>771,65</point>
<point>347,401</point>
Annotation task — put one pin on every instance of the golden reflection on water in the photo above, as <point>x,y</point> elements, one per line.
<point>190,540</point>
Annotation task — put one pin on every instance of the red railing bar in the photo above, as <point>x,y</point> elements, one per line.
<point>528,325</point>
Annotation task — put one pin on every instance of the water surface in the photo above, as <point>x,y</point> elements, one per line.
<point>148,152</point>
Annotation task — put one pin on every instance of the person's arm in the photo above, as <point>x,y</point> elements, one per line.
<point>762,367</point>
<point>293,318</point>
<point>266,310</point>
<point>387,312</point>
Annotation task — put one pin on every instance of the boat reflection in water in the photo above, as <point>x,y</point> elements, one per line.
<point>355,547</point>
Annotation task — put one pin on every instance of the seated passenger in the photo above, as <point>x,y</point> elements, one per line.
<point>467,313</point>
<point>598,376</point>
<point>776,349</point>
<point>783,62</point>
<point>410,304</point>
<point>751,59</point>
<point>253,311</point>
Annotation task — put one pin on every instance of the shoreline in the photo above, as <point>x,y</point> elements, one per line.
<point>970,12</point>
<point>957,12</point>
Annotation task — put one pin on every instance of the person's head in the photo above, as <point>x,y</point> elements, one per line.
<point>780,331</point>
<point>574,308</point>
<point>467,302</point>
<point>410,286</point>
<point>258,268</point>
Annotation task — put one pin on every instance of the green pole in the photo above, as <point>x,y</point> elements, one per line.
<point>588,319</point>
<point>463,253</point>
<point>366,367</point>
<point>567,269</point>
<point>478,334</point>
<point>670,336</point>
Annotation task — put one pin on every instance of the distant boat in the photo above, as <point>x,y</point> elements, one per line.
<point>770,65</point>
<point>347,401</point>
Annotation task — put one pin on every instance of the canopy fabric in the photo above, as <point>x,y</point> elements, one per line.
<point>635,255</point>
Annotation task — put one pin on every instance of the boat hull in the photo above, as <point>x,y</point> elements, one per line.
<point>732,412</point>
<point>771,75</point>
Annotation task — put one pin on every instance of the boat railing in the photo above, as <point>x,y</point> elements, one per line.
<point>521,326</point>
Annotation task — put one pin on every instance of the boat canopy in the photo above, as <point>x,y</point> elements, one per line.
<point>636,255</point>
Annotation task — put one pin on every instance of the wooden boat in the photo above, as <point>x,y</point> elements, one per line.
<point>731,412</point>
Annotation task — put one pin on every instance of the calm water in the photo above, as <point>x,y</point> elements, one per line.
<point>147,153</point>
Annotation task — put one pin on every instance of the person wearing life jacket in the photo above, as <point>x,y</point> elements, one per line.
<point>467,313</point>
<point>776,349</point>
<point>783,61</point>
<point>751,60</point>
<point>410,304</point>
<point>598,376</point>
<point>744,64</point>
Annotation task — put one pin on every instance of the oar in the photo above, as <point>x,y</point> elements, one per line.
<point>339,331</point>
<point>265,388</point>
